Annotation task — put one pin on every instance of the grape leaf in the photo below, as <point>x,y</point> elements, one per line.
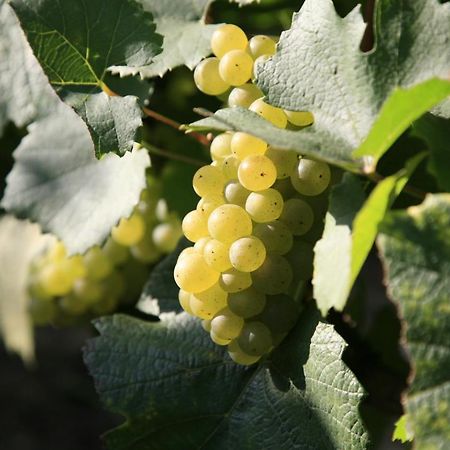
<point>57,181</point>
<point>170,376</point>
<point>415,248</point>
<point>76,42</point>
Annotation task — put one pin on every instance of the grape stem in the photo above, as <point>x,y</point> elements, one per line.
<point>170,155</point>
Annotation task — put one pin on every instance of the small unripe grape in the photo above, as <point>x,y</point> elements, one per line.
<point>184,298</point>
<point>195,226</point>
<point>246,303</point>
<point>226,38</point>
<point>233,280</point>
<point>264,206</point>
<point>247,254</point>
<point>236,193</point>
<point>115,252</point>
<point>257,173</point>
<point>216,255</point>
<point>274,276</point>
<point>261,45</point>
<point>98,266</point>
<point>255,339</point>
<point>239,356</point>
<point>235,67</point>
<point>230,167</point>
<point>272,114</point>
<point>298,216</point>
<point>145,250</point>
<point>244,144</point>
<point>311,177</point>
<point>300,118</point>
<point>275,236</point>
<point>207,77</point>
<point>285,161</point>
<point>217,340</point>
<point>208,303</point>
<point>226,325</point>
<point>129,231</point>
<point>207,205</point>
<point>166,236</point>
<point>221,146</point>
<point>228,223</point>
<point>244,95</point>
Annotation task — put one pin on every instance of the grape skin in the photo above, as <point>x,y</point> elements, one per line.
<point>247,254</point>
<point>244,95</point>
<point>272,114</point>
<point>311,177</point>
<point>228,223</point>
<point>244,144</point>
<point>257,172</point>
<point>195,226</point>
<point>235,67</point>
<point>264,206</point>
<point>226,38</point>
<point>207,77</point>
<point>226,325</point>
<point>298,216</point>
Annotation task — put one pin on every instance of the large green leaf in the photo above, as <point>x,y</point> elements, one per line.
<point>76,43</point>
<point>58,182</point>
<point>415,247</point>
<point>178,390</point>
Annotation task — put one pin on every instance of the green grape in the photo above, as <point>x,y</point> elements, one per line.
<point>201,243</point>
<point>115,252</point>
<point>55,280</point>
<point>206,325</point>
<point>87,291</point>
<point>246,303</point>
<point>255,339</point>
<point>228,223</point>
<point>280,313</point>
<point>114,286</point>
<point>302,256</point>
<point>105,306</point>
<point>129,231</point>
<point>226,325</point>
<point>311,177</point>
<point>239,356</point>
<point>145,250</point>
<point>208,303</point>
<point>236,193</point>
<point>264,206</point>
<point>234,281</point>
<point>300,118</point>
<point>42,312</point>
<point>244,144</point>
<point>257,173</point>
<point>274,276</point>
<point>285,188</point>
<point>275,236</point>
<point>244,95</point>
<point>207,205</point>
<point>207,77</point>
<point>230,167</point>
<point>74,266</point>
<point>72,305</point>
<point>261,45</point>
<point>208,182</point>
<point>184,298</point>
<point>221,146</point>
<point>247,254</point>
<point>187,251</point>
<point>195,226</point>
<point>274,115</point>
<point>216,255</point>
<point>165,236</point>
<point>285,161</point>
<point>235,67</point>
<point>98,266</point>
<point>298,216</point>
<point>217,340</point>
<point>226,38</point>
<point>56,253</point>
<point>192,274</point>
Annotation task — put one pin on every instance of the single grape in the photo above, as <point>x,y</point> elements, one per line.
<point>244,95</point>
<point>206,325</point>
<point>264,206</point>
<point>216,255</point>
<point>274,276</point>
<point>217,340</point>
<point>74,266</point>
<point>239,356</point>
<point>247,254</point>
<point>228,223</point>
<point>285,161</point>
<point>255,339</point>
<point>208,303</point>
<point>129,231</point>
<point>207,205</point>
<point>187,251</point>
<point>195,226</point>
<point>55,280</point>
<point>115,252</point>
<point>246,303</point>
<point>275,236</point>
<point>235,67</point>
<point>300,118</point>
<point>261,45</point>
<point>208,182</point>
<point>226,325</point>
<point>230,167</point>
<point>243,145</point>
<point>87,290</point>
<point>166,236</point>
<point>280,313</point>
<point>236,193</point>
<point>226,38</point>
<point>221,146</point>
<point>184,298</point>
<point>98,266</point>
<point>257,173</point>
<point>272,114</point>
<point>298,216</point>
<point>145,250</point>
<point>56,253</point>
<point>207,77</point>
<point>311,177</point>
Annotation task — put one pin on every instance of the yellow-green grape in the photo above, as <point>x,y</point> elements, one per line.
<point>217,340</point>
<point>247,254</point>
<point>264,206</point>
<point>298,216</point>
<point>187,251</point>
<point>129,231</point>
<point>280,313</point>
<point>56,253</point>
<point>244,95</point>
<point>239,356</point>
<point>300,118</point>
<point>98,266</point>
<point>216,255</point>
<point>206,325</point>
<point>37,291</point>
<point>195,226</point>
<point>255,339</point>
<point>193,275</point>
<point>42,312</point>
<point>243,145</point>
<point>221,146</point>
<point>230,167</point>
<point>226,38</point>
<point>272,114</point>
<point>311,177</point>
<point>257,173</point>
<point>201,243</point>
<point>115,252</point>
<point>207,77</point>
<point>236,193</point>
<point>261,45</point>
<point>105,306</point>
<point>207,205</point>
<point>146,250</point>
<point>274,276</point>
<point>285,161</point>
<point>246,303</point>
<point>87,290</point>
<point>275,236</point>
<point>208,182</point>
<point>72,305</point>
<point>208,303</point>
<point>226,325</point>
<point>228,223</point>
<point>75,266</point>
<point>285,188</point>
<point>234,281</point>
<point>184,298</point>
<point>235,67</point>
<point>166,235</point>
<point>55,280</point>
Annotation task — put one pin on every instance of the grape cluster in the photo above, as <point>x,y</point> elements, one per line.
<point>65,288</point>
<point>261,208</point>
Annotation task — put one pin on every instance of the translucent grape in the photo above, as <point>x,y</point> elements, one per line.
<point>228,37</point>
<point>239,356</point>
<point>208,303</point>
<point>234,281</point>
<point>243,145</point>
<point>145,250</point>
<point>235,67</point>
<point>298,216</point>
<point>255,339</point>
<point>221,146</point>
<point>206,325</point>
<point>275,236</point>
<point>98,266</point>
<point>247,254</point>
<point>244,95</point>
<point>201,243</point>
<point>285,161</point>
<point>216,255</point>
<point>228,223</point>
<point>272,114</point>
<point>217,340</point>
<point>236,193</point>
<point>311,177</point>
<point>115,252</point>
<point>261,45</point>
<point>193,275</point>
<point>187,251</point>
<point>264,206</point>
<point>230,167</point>
<point>87,290</point>
<point>274,276</point>
<point>129,231</point>
<point>226,325</point>
<point>280,313</point>
<point>207,77</point>
<point>257,173</point>
<point>166,236</point>
<point>246,303</point>
<point>184,298</point>
<point>195,226</point>
<point>300,118</point>
<point>208,181</point>
<point>207,205</point>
